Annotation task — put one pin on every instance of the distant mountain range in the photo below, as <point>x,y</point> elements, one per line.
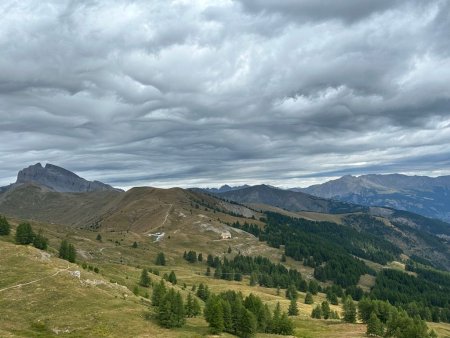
<point>52,194</point>
<point>224,188</point>
<point>57,179</point>
<point>288,200</point>
<point>427,196</point>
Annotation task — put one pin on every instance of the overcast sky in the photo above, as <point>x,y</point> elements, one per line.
<point>200,93</point>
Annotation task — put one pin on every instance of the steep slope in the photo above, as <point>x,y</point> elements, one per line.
<point>57,179</point>
<point>424,195</point>
<point>289,200</point>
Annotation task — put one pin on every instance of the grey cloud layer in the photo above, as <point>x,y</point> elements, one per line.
<point>203,92</point>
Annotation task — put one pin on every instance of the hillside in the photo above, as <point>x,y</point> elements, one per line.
<point>289,200</point>
<point>103,304</point>
<point>428,196</point>
<point>119,233</point>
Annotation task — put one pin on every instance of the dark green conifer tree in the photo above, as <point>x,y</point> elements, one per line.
<point>247,324</point>
<point>172,277</point>
<point>349,308</point>
<point>374,326</point>
<point>326,311</point>
<point>159,291</point>
<point>293,308</point>
<point>291,292</point>
<point>160,259</point>
<point>286,326</point>
<point>214,315</point>
<point>309,298</point>
<point>24,234</point>
<point>40,242</point>
<point>317,312</point>
<point>5,227</point>
<point>145,280</point>
<point>71,253</point>
<point>64,249</point>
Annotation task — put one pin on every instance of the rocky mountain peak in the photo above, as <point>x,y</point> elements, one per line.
<point>58,179</point>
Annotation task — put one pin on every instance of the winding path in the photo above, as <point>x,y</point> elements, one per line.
<point>34,281</point>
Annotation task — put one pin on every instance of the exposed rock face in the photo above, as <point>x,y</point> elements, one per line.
<point>58,179</point>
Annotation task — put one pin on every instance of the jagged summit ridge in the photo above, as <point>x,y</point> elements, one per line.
<point>58,179</point>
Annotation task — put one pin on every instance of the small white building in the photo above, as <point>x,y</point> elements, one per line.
<point>225,235</point>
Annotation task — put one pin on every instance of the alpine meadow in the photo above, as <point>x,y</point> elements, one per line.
<point>225,168</point>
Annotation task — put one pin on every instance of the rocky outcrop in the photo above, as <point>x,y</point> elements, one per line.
<point>58,179</point>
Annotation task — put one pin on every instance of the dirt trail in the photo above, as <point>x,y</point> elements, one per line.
<point>34,281</point>
<point>165,219</point>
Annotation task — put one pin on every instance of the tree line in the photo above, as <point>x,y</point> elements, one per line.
<point>260,269</point>
<point>386,320</point>
<point>231,312</point>
<point>426,295</point>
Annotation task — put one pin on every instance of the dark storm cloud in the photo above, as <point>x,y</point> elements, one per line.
<point>308,10</point>
<point>208,92</point>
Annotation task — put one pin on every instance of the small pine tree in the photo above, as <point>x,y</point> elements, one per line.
<point>24,234</point>
<point>229,249</point>
<point>172,277</point>
<point>165,311</point>
<point>349,310</point>
<point>293,308</point>
<point>64,249</point>
<point>332,298</point>
<point>196,309</point>
<point>247,324</point>
<point>203,292</point>
<point>291,292</point>
<point>283,258</point>
<point>40,242</point>
<point>317,312</point>
<point>188,307</point>
<point>208,271</point>
<point>313,287</point>
<point>71,253</point>
<point>145,280</point>
<point>276,318</point>
<point>374,326</point>
<point>227,316</point>
<point>178,310</point>
<point>160,259</point>
<point>99,238</point>
<point>214,315</point>
<point>5,228</point>
<point>326,311</point>
<point>286,327</point>
<point>200,257</point>
<point>159,291</point>
<point>309,298</point>
<point>135,245</point>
